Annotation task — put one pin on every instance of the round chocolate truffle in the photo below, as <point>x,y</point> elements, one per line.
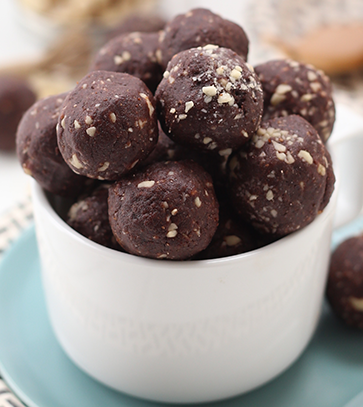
<point>133,53</point>
<point>209,99</point>
<point>284,178</point>
<point>200,27</point>
<point>89,217</point>
<point>107,125</point>
<point>15,98</point>
<point>138,22</point>
<point>38,151</point>
<point>345,282</point>
<point>291,87</point>
<point>167,211</point>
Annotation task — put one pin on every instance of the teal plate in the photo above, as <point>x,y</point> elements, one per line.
<point>328,374</point>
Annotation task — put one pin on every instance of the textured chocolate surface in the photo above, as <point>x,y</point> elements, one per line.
<point>200,27</point>
<point>284,178</point>
<point>133,53</point>
<point>164,150</point>
<point>89,217</point>
<point>213,163</point>
<point>38,151</point>
<point>232,237</point>
<point>167,211</point>
<point>209,99</point>
<point>291,87</point>
<point>15,98</point>
<point>107,125</point>
<point>345,282</point>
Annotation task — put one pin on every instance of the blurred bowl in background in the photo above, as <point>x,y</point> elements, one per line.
<point>325,33</point>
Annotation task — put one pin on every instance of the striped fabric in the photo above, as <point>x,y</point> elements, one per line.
<point>7,398</point>
<point>12,223</point>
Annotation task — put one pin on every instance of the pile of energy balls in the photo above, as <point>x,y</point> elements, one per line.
<point>174,147</point>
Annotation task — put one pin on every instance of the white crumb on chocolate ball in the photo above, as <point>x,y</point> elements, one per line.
<point>277,182</point>
<point>210,100</point>
<point>101,145</point>
<point>166,211</point>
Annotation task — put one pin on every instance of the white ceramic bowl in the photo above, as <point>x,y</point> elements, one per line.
<point>191,331</point>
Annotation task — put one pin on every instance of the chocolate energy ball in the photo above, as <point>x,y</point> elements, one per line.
<point>133,53</point>
<point>290,87</point>
<point>138,22</point>
<point>38,151</point>
<point>345,282</point>
<point>89,217</point>
<point>167,211</point>
<point>107,125</point>
<point>15,98</point>
<point>209,99</point>
<point>200,27</point>
<point>283,179</point>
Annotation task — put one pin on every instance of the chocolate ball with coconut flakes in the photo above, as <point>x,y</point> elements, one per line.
<point>133,53</point>
<point>16,97</point>
<point>209,99</point>
<point>292,87</point>
<point>89,217</point>
<point>167,211</point>
<point>345,282</point>
<point>107,125</point>
<point>38,151</point>
<point>200,27</point>
<point>283,179</point>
